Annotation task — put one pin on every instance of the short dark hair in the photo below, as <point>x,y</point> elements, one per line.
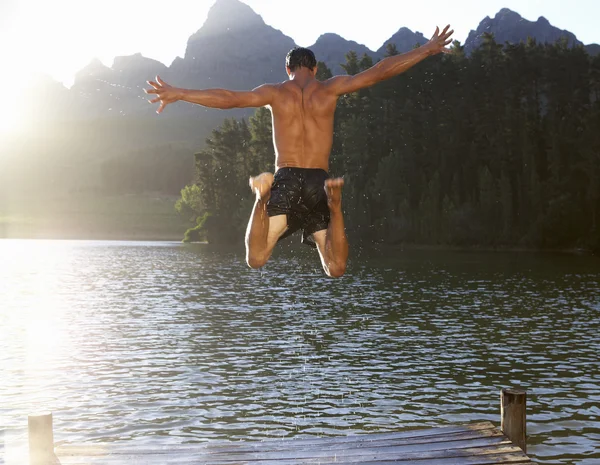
<point>299,57</point>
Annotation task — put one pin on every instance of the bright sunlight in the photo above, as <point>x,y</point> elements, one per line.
<point>15,102</point>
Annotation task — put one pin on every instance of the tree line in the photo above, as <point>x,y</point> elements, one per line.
<point>497,148</point>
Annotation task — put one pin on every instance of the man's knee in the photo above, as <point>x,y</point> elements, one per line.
<point>256,260</point>
<point>336,270</point>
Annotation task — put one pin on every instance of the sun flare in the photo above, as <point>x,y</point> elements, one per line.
<point>12,118</point>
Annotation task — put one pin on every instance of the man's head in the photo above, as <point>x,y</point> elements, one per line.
<point>300,57</point>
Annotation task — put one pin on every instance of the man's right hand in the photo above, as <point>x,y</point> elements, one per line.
<point>437,44</point>
<point>165,93</point>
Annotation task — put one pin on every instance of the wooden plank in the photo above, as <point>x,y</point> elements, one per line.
<point>466,456</point>
<point>444,430</point>
<point>488,460</point>
<point>505,455</point>
<point>354,455</point>
<point>484,428</point>
<point>353,438</point>
<point>491,459</point>
<point>310,453</point>
<point>363,455</point>
<point>478,444</point>
<point>264,446</point>
<point>481,460</point>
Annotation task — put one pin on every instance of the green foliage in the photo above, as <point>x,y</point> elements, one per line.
<point>220,194</point>
<point>351,66</point>
<point>323,72</point>
<point>190,203</point>
<point>199,232</point>
<point>391,50</point>
<point>500,148</point>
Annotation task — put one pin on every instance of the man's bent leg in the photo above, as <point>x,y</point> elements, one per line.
<point>262,232</point>
<point>332,242</point>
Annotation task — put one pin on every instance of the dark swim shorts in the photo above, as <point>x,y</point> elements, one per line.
<point>299,193</point>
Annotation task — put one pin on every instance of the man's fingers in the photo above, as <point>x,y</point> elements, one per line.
<point>437,31</point>
<point>445,29</point>
<point>153,84</point>
<point>151,91</point>
<point>448,42</point>
<point>155,100</point>
<point>448,34</point>
<point>160,81</point>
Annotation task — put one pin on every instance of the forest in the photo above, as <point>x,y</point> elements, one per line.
<point>499,148</point>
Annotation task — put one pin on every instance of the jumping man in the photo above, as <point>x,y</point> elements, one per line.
<point>300,195</point>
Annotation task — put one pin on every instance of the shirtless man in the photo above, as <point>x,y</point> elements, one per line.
<point>300,195</point>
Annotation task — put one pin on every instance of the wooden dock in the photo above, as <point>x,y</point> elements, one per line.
<point>474,444</point>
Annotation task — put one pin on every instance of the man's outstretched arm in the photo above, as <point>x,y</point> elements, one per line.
<point>390,66</point>
<point>213,98</point>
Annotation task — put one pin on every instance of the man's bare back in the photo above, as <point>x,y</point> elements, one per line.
<point>303,112</point>
<point>300,195</point>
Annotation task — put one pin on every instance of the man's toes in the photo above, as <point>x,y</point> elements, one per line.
<point>266,176</point>
<point>265,179</point>
<point>335,183</point>
<point>262,181</point>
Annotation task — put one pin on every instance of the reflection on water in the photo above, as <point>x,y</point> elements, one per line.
<point>162,343</point>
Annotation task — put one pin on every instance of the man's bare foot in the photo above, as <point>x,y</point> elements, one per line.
<point>261,185</point>
<point>333,188</point>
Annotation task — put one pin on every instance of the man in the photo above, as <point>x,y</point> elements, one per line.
<point>300,195</point>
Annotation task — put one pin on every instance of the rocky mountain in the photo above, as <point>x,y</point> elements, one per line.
<point>593,49</point>
<point>105,114</point>
<point>116,90</point>
<point>509,26</point>
<point>236,49</point>
<point>332,48</point>
<point>404,39</point>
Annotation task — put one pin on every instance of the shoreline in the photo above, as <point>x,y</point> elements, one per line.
<point>475,248</point>
<point>149,237</point>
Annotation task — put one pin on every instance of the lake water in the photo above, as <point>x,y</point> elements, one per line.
<point>165,343</point>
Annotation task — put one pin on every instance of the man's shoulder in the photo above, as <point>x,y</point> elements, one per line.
<point>315,85</point>
<point>269,86</point>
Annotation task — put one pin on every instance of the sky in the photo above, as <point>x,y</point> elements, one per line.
<point>59,37</point>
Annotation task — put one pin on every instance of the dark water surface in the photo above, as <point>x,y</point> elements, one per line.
<point>164,343</point>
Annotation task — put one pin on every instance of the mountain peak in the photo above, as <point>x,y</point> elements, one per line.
<point>93,68</point>
<point>332,48</point>
<point>593,49</point>
<point>404,40</point>
<point>329,36</point>
<point>544,21</point>
<point>332,39</point>
<point>226,18</point>
<point>507,13</point>
<point>137,59</point>
<point>509,26</point>
<point>224,50</point>
<point>230,14</point>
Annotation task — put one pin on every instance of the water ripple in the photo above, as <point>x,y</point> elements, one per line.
<point>160,343</point>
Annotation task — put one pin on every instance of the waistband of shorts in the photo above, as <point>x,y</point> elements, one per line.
<point>292,169</point>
